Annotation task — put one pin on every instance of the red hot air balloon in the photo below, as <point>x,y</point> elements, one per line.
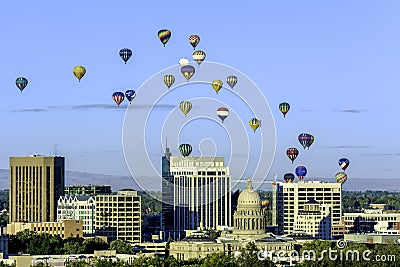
<point>118,97</point>
<point>292,153</point>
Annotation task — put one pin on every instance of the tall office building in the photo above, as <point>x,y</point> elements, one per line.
<point>36,183</point>
<point>202,193</point>
<point>118,216</point>
<point>167,206</point>
<point>290,199</point>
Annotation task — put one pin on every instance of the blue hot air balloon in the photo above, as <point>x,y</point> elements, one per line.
<point>344,163</point>
<point>130,95</point>
<point>301,172</point>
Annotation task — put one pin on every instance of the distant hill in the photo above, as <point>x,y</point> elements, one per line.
<point>73,177</point>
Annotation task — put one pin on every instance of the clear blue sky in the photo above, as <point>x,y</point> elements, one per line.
<point>336,62</point>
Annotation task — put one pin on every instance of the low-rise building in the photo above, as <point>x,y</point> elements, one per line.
<point>372,221</point>
<point>373,238</point>
<point>65,229</point>
<point>86,190</point>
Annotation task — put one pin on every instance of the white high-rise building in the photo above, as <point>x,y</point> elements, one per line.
<point>202,193</point>
<point>78,208</point>
<point>289,200</point>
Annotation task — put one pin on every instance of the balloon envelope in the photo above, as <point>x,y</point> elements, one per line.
<point>79,72</point>
<point>118,97</point>
<point>185,107</point>
<point>254,124</point>
<point>169,80</point>
<point>311,141</point>
<point>187,71</point>
<point>222,113</point>
<point>231,81</point>
<point>284,108</point>
<point>21,83</point>
<point>185,149</point>
<point>130,95</point>
<point>341,177</point>
<point>344,163</point>
<point>292,153</point>
<point>194,40</point>
<point>304,139</point>
<point>164,35</point>
<point>199,56</point>
<point>217,85</point>
<point>288,177</point>
<point>301,172</point>
<point>125,54</point>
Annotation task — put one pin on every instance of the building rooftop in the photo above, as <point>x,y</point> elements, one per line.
<point>199,237</point>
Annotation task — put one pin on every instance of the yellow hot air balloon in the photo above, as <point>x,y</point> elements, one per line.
<point>217,85</point>
<point>79,72</point>
<point>254,124</point>
<point>185,107</point>
<point>199,56</point>
<point>169,80</point>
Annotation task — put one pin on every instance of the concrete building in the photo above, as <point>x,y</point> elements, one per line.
<point>86,190</point>
<point>65,229</point>
<point>78,208</point>
<point>202,193</point>
<point>36,183</point>
<point>372,221</point>
<point>315,220</point>
<point>249,226</point>
<point>373,238</point>
<point>290,198</point>
<point>118,216</point>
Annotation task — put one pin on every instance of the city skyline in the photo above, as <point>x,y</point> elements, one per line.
<point>339,75</point>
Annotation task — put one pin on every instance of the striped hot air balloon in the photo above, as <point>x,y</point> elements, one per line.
<point>118,97</point>
<point>292,153</point>
<point>185,149</point>
<point>169,80</point>
<point>254,124</point>
<point>341,177</point>
<point>311,141</point>
<point>185,107</point>
<point>164,35</point>
<point>231,81</point>
<point>21,83</point>
<point>304,139</point>
<point>284,108</point>
<point>344,163</point>
<point>125,54</point>
<point>199,56</point>
<point>194,40</point>
<point>222,113</point>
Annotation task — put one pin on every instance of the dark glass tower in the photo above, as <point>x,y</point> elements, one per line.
<point>167,212</point>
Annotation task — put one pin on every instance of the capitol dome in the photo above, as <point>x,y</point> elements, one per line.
<point>249,198</point>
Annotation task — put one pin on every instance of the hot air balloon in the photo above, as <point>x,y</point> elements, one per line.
<point>130,95</point>
<point>254,124</point>
<point>164,35</point>
<point>183,61</point>
<point>264,203</point>
<point>222,113</point>
<point>169,80</point>
<point>292,153</point>
<point>311,141</point>
<point>288,177</point>
<point>185,107</point>
<point>284,108</point>
<point>231,80</point>
<point>125,54</point>
<point>118,97</point>
<point>199,56</point>
<point>217,85</point>
<point>341,177</point>
<point>185,149</point>
<point>304,139</point>
<point>79,72</point>
<point>194,40</point>
<point>301,172</point>
<point>21,83</point>
<point>187,71</point>
<point>344,163</point>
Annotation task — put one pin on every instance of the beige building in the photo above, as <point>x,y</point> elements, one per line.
<point>202,192</point>
<point>249,226</point>
<point>36,183</point>
<point>118,216</point>
<point>65,229</point>
<point>290,198</point>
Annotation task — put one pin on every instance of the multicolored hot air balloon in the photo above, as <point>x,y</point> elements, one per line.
<point>341,177</point>
<point>284,108</point>
<point>231,80</point>
<point>304,139</point>
<point>217,85</point>
<point>125,54</point>
<point>164,35</point>
<point>130,95</point>
<point>254,124</point>
<point>222,113</point>
<point>185,149</point>
<point>169,80</point>
<point>292,153</point>
<point>185,107</point>
<point>199,56</point>
<point>264,203</point>
<point>344,163</point>
<point>187,71</point>
<point>311,141</point>
<point>79,72</point>
<point>118,97</point>
<point>183,61</point>
<point>194,40</point>
<point>301,172</point>
<point>21,83</point>
<point>288,177</point>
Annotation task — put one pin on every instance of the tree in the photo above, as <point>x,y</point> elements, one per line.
<point>73,245</point>
<point>121,247</point>
<point>213,233</point>
<point>95,243</point>
<point>219,260</point>
<point>249,257</point>
<point>42,244</point>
